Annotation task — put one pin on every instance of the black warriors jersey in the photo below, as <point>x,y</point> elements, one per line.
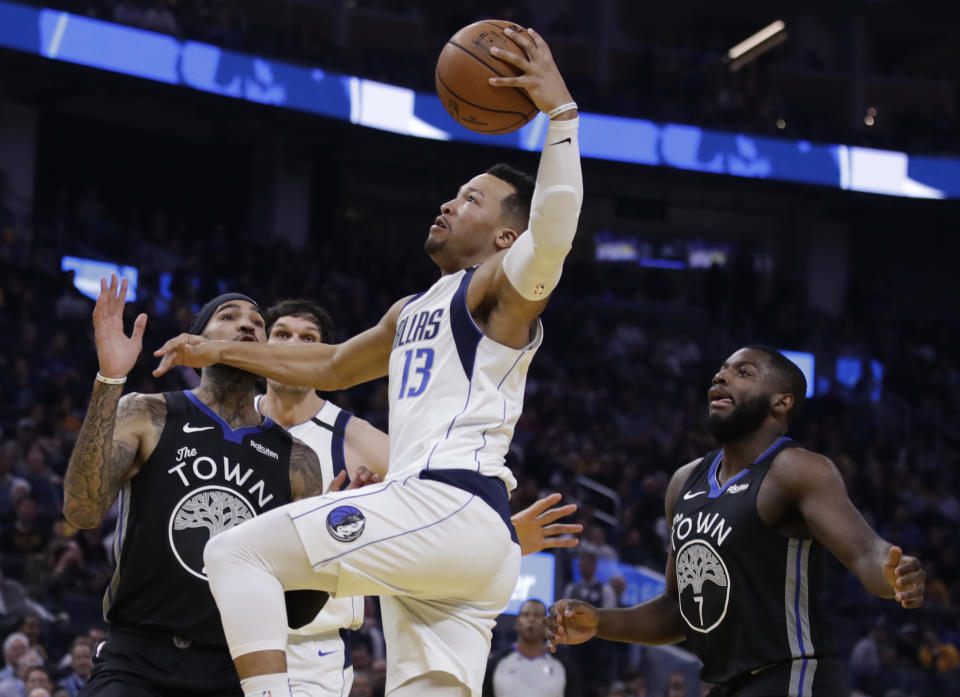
<point>750,597</point>
<point>202,478</point>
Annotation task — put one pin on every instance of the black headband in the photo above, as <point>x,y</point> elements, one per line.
<point>199,322</point>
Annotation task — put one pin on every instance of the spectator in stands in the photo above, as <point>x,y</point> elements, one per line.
<point>527,668</point>
<point>42,487</point>
<point>32,628</point>
<point>27,534</point>
<point>14,646</point>
<point>635,682</point>
<point>595,541</point>
<point>14,686</point>
<point>81,663</point>
<point>362,686</point>
<point>602,594</point>
<point>360,653</point>
<point>864,661</point>
<point>7,480</point>
<point>378,677</point>
<point>14,605</point>
<point>938,655</point>
<point>37,678</point>
<point>676,686</point>
<point>596,662</point>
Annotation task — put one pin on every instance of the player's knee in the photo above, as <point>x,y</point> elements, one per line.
<point>220,553</point>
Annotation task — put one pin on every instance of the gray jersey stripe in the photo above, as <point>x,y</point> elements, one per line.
<point>807,644</point>
<point>119,535</point>
<point>808,678</point>
<point>789,594</point>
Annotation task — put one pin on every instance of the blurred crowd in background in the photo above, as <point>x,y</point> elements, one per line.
<point>616,395</point>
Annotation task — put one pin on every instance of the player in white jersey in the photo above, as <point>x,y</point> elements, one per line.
<point>318,653</point>
<point>434,540</point>
<point>348,447</point>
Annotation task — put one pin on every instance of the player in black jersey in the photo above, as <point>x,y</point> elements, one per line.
<point>749,525</point>
<point>185,466</point>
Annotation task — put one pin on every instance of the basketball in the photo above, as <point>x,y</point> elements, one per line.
<point>463,72</point>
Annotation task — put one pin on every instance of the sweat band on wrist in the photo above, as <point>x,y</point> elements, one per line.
<point>110,381</point>
<point>556,111</point>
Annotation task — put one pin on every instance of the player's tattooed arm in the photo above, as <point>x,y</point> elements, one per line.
<point>306,477</point>
<point>106,453</point>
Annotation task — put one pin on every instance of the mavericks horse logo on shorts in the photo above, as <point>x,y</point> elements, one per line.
<point>346,523</point>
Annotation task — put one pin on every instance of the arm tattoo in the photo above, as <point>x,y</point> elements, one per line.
<point>306,477</point>
<point>99,464</point>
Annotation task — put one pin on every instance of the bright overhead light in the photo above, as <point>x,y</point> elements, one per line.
<point>770,36</point>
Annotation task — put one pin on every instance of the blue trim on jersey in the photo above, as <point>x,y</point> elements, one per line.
<point>715,488</point>
<point>234,436</point>
<point>466,334</point>
<point>490,490</point>
<point>452,422</point>
<point>476,453</point>
<point>337,443</point>
<point>769,450</point>
<point>507,374</point>
<point>413,299</point>
<point>340,499</point>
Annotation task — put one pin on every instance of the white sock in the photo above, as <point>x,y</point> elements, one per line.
<point>272,685</point>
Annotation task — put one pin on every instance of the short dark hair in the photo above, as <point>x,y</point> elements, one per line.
<point>791,377</point>
<point>535,600</point>
<point>515,208</point>
<point>301,307</point>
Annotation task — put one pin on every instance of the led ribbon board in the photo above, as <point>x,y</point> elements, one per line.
<point>152,56</point>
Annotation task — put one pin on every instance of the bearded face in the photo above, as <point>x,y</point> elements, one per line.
<point>733,423</point>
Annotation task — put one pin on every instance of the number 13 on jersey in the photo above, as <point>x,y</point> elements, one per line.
<point>421,361</point>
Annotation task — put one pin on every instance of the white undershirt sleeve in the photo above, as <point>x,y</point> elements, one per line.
<point>534,263</point>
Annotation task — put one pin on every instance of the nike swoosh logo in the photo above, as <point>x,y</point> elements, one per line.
<point>187,428</point>
<point>692,495</point>
<point>321,652</point>
<point>565,140</point>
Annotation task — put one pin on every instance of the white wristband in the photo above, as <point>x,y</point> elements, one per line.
<point>556,111</point>
<point>110,381</point>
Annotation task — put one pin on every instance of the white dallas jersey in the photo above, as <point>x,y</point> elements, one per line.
<point>455,394</point>
<point>324,433</point>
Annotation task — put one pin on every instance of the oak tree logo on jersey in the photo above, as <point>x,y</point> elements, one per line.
<point>704,585</point>
<point>346,523</point>
<point>200,516</point>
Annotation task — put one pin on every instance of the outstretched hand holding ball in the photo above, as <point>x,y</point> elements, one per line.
<point>494,76</point>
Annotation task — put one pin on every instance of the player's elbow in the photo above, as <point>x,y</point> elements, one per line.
<point>81,515</point>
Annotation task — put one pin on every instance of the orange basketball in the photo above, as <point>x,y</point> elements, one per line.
<point>463,71</point>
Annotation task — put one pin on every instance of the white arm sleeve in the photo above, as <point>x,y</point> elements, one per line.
<point>534,263</point>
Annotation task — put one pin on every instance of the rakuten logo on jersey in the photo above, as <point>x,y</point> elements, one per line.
<point>263,450</point>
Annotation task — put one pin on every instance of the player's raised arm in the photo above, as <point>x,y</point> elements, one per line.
<point>114,429</point>
<point>522,278</point>
<point>361,358</point>
<point>813,482</point>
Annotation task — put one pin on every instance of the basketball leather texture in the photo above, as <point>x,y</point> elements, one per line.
<point>463,71</point>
